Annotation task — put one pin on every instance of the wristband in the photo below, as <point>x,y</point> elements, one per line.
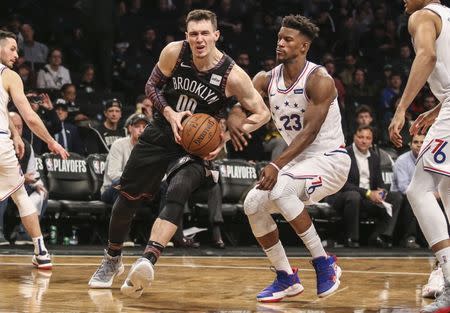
<point>368,193</point>
<point>274,165</point>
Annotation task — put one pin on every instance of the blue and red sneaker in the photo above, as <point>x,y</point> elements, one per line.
<point>284,285</point>
<point>327,274</point>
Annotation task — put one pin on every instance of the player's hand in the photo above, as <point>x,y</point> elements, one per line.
<point>423,122</point>
<point>238,135</point>
<point>212,155</point>
<point>175,118</point>
<point>395,127</point>
<point>269,176</point>
<point>56,148</point>
<point>19,146</point>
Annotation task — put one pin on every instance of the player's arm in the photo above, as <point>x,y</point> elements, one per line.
<point>321,91</point>
<point>158,78</point>
<point>237,115</point>
<point>240,85</point>
<point>19,146</point>
<point>423,26</point>
<point>14,86</point>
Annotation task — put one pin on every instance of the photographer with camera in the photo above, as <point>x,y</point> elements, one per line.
<point>43,106</point>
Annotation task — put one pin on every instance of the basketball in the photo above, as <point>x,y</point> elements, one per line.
<point>201,134</point>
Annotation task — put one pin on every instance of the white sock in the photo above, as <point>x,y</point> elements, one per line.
<point>312,242</point>
<point>278,258</point>
<point>39,245</point>
<point>443,257</point>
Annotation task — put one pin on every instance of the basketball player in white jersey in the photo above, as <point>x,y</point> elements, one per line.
<point>429,26</point>
<point>302,99</point>
<point>11,177</point>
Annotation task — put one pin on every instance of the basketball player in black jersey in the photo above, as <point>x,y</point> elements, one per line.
<point>191,76</point>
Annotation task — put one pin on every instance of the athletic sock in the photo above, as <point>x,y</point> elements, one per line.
<point>114,249</point>
<point>153,251</point>
<point>39,246</point>
<point>278,258</point>
<point>443,257</point>
<point>312,242</point>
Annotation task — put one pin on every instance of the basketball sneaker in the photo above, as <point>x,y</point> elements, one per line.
<point>435,283</point>
<point>42,261</point>
<point>107,271</point>
<point>140,277</point>
<point>284,285</point>
<point>327,274</point>
<point>441,304</point>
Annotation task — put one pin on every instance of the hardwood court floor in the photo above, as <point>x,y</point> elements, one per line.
<point>212,284</point>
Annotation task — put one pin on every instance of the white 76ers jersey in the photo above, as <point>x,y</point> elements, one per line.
<point>288,106</point>
<point>4,99</point>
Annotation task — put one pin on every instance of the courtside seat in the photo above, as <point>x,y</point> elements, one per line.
<point>53,206</point>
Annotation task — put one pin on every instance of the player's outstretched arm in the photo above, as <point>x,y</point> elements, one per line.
<point>240,85</point>
<point>158,78</point>
<point>14,87</point>
<point>423,26</point>
<point>321,91</point>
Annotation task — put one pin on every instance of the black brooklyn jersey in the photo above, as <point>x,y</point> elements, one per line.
<point>188,89</point>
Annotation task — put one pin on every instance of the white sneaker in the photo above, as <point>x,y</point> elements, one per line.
<point>42,261</point>
<point>140,277</point>
<point>107,271</point>
<point>435,284</point>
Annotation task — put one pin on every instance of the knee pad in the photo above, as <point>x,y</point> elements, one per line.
<point>286,194</point>
<point>255,208</point>
<point>262,223</point>
<point>172,212</point>
<point>23,202</point>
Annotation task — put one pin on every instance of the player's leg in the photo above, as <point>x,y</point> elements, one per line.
<point>181,185</point>
<point>30,220</point>
<point>287,282</point>
<point>310,181</point>
<point>433,224</point>
<point>141,177</point>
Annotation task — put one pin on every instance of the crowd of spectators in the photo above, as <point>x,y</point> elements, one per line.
<point>84,64</point>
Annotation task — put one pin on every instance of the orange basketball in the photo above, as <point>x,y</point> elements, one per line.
<point>201,134</point>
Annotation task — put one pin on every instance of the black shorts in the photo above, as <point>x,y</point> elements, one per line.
<point>148,163</point>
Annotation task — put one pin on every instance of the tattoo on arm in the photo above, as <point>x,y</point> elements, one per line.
<point>153,88</point>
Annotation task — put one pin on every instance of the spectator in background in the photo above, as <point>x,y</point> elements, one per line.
<point>364,192</point>
<point>33,184</point>
<point>268,63</point>
<point>388,97</point>
<point>404,168</point>
<point>27,75</point>
<point>145,106</point>
<point>54,75</point>
<point>68,137</point>
<point>109,130</point>
<point>69,97</point>
<point>404,61</point>
<point>15,25</point>
<point>330,66</point>
<point>346,74</point>
<point>35,52</point>
<point>243,60</point>
<point>118,156</point>
<point>87,81</point>
<point>364,117</point>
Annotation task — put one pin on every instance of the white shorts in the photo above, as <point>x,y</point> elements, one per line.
<point>317,177</point>
<point>11,176</point>
<point>435,150</point>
